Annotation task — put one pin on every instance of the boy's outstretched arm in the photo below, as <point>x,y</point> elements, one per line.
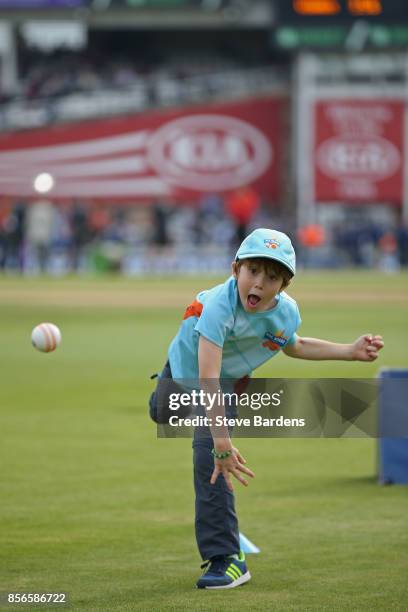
<point>365,348</point>
<point>209,363</point>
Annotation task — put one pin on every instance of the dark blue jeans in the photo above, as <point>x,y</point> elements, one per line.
<point>216,523</point>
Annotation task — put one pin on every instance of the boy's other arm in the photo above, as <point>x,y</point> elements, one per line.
<point>365,348</point>
<point>209,365</point>
<point>209,359</point>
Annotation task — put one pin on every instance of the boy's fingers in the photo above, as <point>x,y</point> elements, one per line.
<point>375,341</point>
<point>227,479</point>
<point>240,457</point>
<point>246,470</point>
<point>240,478</point>
<point>215,475</point>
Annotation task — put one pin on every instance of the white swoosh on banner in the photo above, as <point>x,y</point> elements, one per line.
<point>120,165</point>
<point>87,148</point>
<point>19,168</point>
<point>100,188</point>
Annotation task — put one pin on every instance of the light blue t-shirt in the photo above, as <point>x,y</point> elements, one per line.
<point>247,339</point>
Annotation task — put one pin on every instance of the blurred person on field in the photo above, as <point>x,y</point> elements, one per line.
<point>208,218</point>
<point>160,216</point>
<point>112,240</point>
<point>403,244</point>
<point>310,238</point>
<point>3,217</point>
<point>388,247</point>
<point>40,226</point>
<point>227,332</point>
<point>80,233</point>
<point>14,236</point>
<point>242,205</point>
<point>99,219</point>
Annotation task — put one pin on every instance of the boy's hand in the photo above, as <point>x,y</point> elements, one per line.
<point>234,464</point>
<point>366,347</point>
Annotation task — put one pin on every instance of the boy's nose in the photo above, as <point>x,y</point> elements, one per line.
<point>259,281</point>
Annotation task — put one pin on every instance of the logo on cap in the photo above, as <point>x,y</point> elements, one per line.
<point>271,243</point>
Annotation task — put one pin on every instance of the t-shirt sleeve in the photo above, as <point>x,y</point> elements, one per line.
<point>216,319</point>
<point>298,322</point>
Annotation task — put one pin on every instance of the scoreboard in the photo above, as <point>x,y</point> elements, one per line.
<point>293,12</point>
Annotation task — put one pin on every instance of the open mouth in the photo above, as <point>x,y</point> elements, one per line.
<point>253,300</point>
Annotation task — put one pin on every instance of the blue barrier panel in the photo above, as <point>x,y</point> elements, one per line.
<point>392,424</point>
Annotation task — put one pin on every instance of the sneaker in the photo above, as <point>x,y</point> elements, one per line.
<point>224,572</point>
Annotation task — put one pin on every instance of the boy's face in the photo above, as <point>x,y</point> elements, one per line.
<point>257,286</point>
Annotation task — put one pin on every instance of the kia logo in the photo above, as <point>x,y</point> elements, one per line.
<point>371,158</point>
<point>209,152</point>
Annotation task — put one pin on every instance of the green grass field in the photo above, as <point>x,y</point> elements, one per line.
<point>94,505</point>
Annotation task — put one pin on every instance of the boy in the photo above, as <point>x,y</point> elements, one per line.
<point>227,332</point>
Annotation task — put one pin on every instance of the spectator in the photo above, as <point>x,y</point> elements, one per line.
<point>242,206</point>
<point>403,244</point>
<point>160,232</point>
<point>388,245</point>
<point>14,234</point>
<point>40,225</point>
<point>80,234</point>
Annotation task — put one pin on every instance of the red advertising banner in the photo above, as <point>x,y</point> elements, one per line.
<point>176,155</point>
<point>358,151</point>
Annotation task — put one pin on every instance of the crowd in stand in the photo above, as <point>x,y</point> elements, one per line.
<point>64,72</point>
<point>72,87</point>
<point>41,237</point>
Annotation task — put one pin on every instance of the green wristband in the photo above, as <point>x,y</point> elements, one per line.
<point>223,455</point>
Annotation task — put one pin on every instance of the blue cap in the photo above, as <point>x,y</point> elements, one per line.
<point>270,244</point>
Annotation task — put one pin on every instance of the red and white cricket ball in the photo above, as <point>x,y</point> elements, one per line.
<point>46,337</point>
